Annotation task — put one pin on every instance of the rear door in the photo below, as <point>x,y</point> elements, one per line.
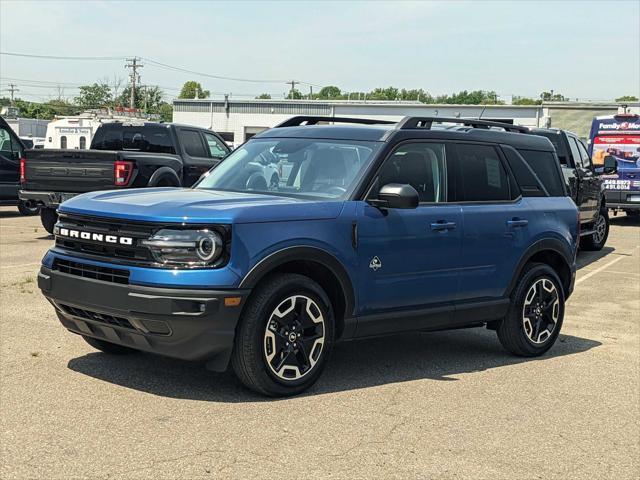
<point>587,198</point>
<point>10,153</point>
<point>495,222</point>
<point>195,155</point>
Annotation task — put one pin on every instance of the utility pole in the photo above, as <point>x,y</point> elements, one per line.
<point>12,88</point>
<point>134,76</point>
<point>293,87</point>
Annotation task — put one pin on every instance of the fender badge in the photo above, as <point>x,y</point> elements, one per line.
<point>375,264</point>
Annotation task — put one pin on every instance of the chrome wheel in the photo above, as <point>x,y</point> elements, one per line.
<point>540,311</point>
<point>294,337</point>
<point>600,230</point>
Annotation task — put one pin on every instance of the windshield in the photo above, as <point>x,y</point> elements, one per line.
<point>297,167</point>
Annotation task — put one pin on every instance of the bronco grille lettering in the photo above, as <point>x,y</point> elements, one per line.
<point>94,237</point>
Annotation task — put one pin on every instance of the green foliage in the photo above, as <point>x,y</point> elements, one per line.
<point>97,95</point>
<point>46,110</point>
<point>294,95</point>
<point>525,101</point>
<point>627,98</point>
<point>193,89</point>
<point>166,112</point>
<point>553,97</point>
<point>475,97</point>
<point>329,93</point>
<point>264,96</point>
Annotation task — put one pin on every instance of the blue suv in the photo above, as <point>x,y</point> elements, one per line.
<point>373,228</point>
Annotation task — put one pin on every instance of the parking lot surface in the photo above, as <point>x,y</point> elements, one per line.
<point>419,405</point>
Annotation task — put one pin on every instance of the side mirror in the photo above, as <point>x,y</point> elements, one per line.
<point>397,195</point>
<point>610,165</point>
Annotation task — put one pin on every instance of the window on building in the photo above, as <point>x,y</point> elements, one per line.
<point>228,137</point>
<point>193,144</point>
<point>83,143</point>
<point>421,165</point>
<point>63,142</point>
<point>481,177</point>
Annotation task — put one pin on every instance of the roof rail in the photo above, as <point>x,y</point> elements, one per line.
<point>408,123</point>
<point>313,120</point>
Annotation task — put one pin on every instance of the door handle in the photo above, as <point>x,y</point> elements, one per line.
<point>442,225</point>
<point>517,222</point>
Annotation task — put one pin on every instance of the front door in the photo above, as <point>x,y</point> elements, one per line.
<point>409,258</point>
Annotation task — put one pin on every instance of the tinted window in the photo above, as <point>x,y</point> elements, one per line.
<point>544,166</point>
<point>5,143</point>
<point>215,146</point>
<point>141,138</point>
<point>83,143</point>
<point>421,165</point>
<point>192,142</point>
<point>575,153</point>
<point>481,177</point>
<point>28,143</point>
<point>558,143</point>
<point>584,155</point>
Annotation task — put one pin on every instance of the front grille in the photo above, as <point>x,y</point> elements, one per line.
<point>132,253</point>
<point>84,270</point>
<point>97,317</point>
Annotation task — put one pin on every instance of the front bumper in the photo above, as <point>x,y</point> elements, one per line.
<point>622,199</point>
<point>186,324</point>
<point>46,199</point>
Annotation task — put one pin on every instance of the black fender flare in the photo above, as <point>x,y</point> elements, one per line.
<point>162,173</point>
<point>547,244</point>
<point>306,253</point>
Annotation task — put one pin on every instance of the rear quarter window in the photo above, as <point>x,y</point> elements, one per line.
<point>545,166</point>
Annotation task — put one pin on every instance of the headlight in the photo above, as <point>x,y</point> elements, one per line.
<point>192,248</point>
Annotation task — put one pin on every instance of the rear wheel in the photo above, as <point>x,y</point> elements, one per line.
<point>48,217</point>
<point>107,347</point>
<point>285,336</point>
<point>24,209</point>
<point>598,238</point>
<point>535,315</point>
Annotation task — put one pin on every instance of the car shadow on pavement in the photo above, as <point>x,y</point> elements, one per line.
<point>436,356</point>
<point>624,221</point>
<point>10,214</point>
<point>585,258</point>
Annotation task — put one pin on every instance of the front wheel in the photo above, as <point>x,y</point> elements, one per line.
<point>598,238</point>
<point>285,336</point>
<point>535,315</point>
<point>48,217</point>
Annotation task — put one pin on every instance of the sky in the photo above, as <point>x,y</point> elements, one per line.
<point>581,49</point>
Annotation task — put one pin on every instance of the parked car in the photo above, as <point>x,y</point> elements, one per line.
<point>585,185</point>
<point>33,142</point>
<point>122,156</point>
<point>11,151</point>
<point>378,229</point>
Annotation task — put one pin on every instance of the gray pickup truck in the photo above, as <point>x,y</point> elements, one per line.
<point>121,156</point>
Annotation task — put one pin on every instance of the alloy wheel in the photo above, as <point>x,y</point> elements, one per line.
<point>600,230</point>
<point>294,337</point>
<point>541,311</point>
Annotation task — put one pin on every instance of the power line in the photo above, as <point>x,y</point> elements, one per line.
<point>58,57</point>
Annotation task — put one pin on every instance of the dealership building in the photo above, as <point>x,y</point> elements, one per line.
<point>239,120</point>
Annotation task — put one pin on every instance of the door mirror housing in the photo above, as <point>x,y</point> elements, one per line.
<point>610,165</point>
<point>397,195</point>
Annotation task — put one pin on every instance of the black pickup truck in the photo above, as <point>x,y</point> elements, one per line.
<point>584,184</point>
<point>121,156</point>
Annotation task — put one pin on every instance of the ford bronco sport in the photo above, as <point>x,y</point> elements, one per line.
<point>375,228</point>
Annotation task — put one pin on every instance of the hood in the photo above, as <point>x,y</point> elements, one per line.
<point>176,205</point>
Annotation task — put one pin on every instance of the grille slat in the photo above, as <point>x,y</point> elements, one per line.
<point>84,270</point>
<point>97,317</point>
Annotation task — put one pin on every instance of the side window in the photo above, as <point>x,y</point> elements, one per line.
<point>192,142</point>
<point>215,146</point>
<point>575,153</point>
<point>63,142</point>
<point>83,143</point>
<point>584,155</point>
<point>6,150</point>
<point>481,177</point>
<point>544,166</point>
<point>421,165</point>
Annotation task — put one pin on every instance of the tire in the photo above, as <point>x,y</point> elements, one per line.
<point>48,217</point>
<point>27,211</point>
<point>597,239</point>
<point>521,330</point>
<point>107,347</point>
<point>269,355</point>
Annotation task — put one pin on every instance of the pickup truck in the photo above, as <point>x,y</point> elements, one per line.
<point>121,156</point>
<point>584,184</point>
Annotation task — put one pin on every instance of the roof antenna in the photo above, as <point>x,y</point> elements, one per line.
<point>482,112</point>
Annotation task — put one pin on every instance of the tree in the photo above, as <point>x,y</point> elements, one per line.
<point>264,96</point>
<point>329,93</point>
<point>551,97</point>
<point>294,95</point>
<point>166,112</point>
<point>94,96</point>
<point>525,101</point>
<point>192,89</point>
<point>627,98</point>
